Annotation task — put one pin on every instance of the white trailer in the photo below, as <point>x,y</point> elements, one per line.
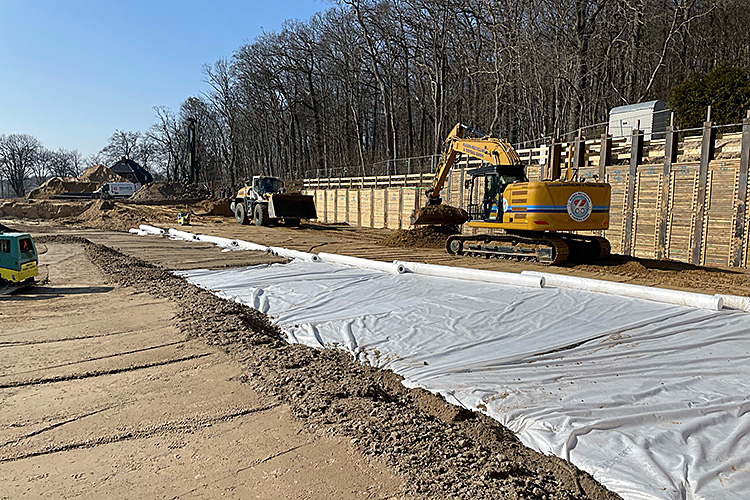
<point>116,190</point>
<point>652,115</point>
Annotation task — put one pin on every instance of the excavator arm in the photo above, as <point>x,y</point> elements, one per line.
<point>489,149</point>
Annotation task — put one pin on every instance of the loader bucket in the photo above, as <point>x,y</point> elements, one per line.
<point>296,206</point>
<point>442,215</point>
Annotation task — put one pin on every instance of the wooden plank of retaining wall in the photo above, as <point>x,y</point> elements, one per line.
<point>353,214</point>
<point>740,232</point>
<point>378,211</point>
<point>320,200</point>
<point>719,213</point>
<point>393,208</point>
<point>365,204</point>
<point>707,151</point>
<point>646,213</point>
<point>341,201</point>
<point>636,154</point>
<point>670,157</point>
<point>408,205</point>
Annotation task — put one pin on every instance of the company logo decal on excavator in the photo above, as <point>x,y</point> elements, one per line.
<point>579,206</point>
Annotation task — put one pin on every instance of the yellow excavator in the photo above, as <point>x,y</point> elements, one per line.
<point>539,218</point>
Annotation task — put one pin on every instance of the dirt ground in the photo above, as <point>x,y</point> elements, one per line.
<point>103,395</point>
<point>119,379</point>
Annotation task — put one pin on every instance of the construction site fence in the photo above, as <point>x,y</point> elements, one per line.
<point>683,199</point>
<point>727,144</point>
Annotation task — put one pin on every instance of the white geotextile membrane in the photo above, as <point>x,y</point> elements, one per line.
<point>651,399</point>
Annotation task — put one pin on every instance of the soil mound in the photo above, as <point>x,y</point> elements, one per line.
<point>60,185</point>
<point>439,214</point>
<point>424,237</point>
<point>108,214</point>
<point>163,191</point>
<point>42,209</point>
<point>86,183</point>
<point>216,207</point>
<point>101,174</point>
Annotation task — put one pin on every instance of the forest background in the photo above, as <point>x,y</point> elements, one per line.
<point>364,82</point>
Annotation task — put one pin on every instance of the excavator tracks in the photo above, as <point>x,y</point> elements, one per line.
<point>549,250</point>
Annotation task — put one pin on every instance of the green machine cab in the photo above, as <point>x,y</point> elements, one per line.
<point>18,261</point>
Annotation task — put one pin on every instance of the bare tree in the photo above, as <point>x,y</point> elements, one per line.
<point>122,144</point>
<point>19,154</point>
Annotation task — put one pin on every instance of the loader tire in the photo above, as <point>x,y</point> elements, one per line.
<point>260,215</point>
<point>239,213</point>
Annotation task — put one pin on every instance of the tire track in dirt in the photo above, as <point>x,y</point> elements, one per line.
<point>99,373</point>
<point>52,426</point>
<point>99,358</point>
<point>19,343</point>
<point>179,426</point>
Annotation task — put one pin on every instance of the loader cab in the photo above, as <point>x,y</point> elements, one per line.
<point>267,185</point>
<point>494,180</point>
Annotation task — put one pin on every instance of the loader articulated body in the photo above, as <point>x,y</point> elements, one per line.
<point>265,201</point>
<point>540,219</point>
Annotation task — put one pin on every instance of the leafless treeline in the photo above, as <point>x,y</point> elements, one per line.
<point>374,80</point>
<point>366,81</point>
<point>25,162</point>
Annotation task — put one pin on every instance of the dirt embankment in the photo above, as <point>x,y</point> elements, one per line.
<point>446,452</point>
<point>42,209</point>
<point>89,182</point>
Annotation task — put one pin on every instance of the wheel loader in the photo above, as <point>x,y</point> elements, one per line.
<point>539,219</point>
<point>265,202</point>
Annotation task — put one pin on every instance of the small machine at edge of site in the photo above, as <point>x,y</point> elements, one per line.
<point>18,261</point>
<point>266,201</point>
<point>538,217</point>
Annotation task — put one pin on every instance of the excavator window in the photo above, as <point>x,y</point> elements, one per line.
<point>5,246</point>
<point>491,196</point>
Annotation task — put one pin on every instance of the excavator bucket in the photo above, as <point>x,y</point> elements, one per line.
<point>287,205</point>
<point>442,215</point>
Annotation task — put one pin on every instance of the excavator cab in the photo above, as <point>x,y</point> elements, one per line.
<point>496,179</point>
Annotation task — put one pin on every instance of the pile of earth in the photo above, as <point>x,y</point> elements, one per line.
<point>215,207</point>
<point>423,237</point>
<point>108,214</point>
<point>170,191</point>
<point>41,209</point>
<point>89,182</point>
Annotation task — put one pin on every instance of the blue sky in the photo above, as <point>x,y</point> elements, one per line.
<point>73,71</point>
